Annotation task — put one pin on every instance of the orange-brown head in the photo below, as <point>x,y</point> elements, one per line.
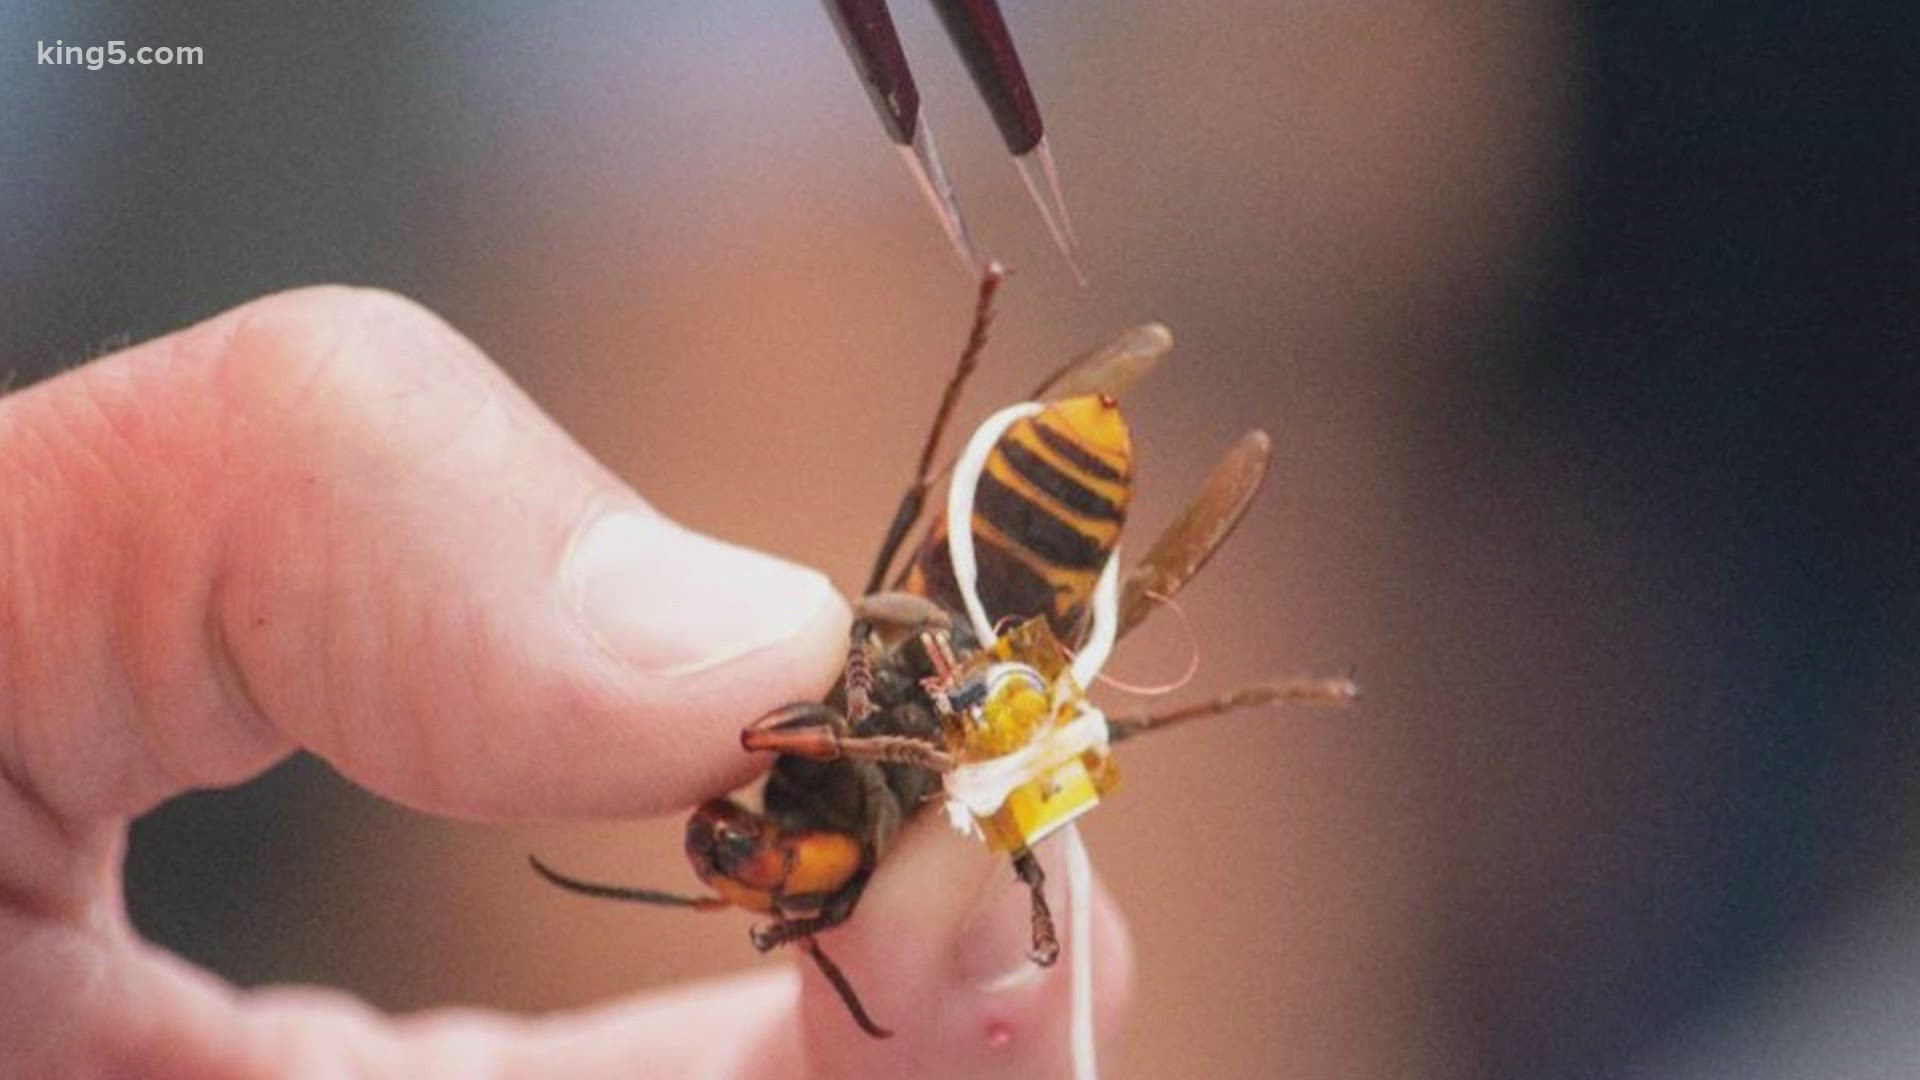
<point>751,863</point>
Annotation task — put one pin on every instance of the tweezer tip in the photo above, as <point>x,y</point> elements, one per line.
<point>1043,183</point>
<point>923,161</point>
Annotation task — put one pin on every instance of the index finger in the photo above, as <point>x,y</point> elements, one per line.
<point>325,520</point>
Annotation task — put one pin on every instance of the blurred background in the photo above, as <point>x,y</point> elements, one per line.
<point>1586,333</point>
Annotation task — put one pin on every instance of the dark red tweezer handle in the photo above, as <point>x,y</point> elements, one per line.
<point>980,34</point>
<point>866,29</point>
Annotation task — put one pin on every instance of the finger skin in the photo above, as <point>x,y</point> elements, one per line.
<point>109,1006</point>
<point>325,520</point>
<point>938,901</point>
<point>938,951</point>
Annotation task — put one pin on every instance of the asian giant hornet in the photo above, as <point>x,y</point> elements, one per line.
<point>1047,507</point>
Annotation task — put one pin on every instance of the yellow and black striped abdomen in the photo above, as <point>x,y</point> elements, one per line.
<point>1046,516</point>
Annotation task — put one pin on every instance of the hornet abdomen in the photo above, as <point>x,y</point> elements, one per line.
<point>1046,516</point>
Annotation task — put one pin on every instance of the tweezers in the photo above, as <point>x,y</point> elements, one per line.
<point>980,34</point>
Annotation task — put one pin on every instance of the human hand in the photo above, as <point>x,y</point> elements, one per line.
<point>324,520</point>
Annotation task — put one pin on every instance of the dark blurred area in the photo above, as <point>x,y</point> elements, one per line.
<point>1587,334</point>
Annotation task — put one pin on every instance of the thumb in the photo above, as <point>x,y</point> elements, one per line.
<point>325,520</point>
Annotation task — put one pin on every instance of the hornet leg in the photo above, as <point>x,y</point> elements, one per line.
<point>818,732</point>
<point>915,498</point>
<point>1308,691</point>
<point>838,980</point>
<point>1046,941</point>
<point>895,610</point>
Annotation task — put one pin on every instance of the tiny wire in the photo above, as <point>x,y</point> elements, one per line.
<point>1187,676</point>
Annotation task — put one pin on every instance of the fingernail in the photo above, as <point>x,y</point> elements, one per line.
<point>673,602</point>
<point>997,936</point>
